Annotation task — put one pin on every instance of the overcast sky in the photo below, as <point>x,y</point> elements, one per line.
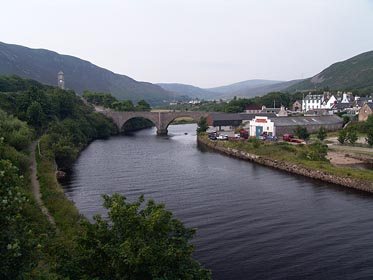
<point>201,42</point>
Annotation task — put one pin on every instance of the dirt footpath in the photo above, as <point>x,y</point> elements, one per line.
<point>338,158</point>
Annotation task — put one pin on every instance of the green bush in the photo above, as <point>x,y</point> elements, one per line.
<point>315,151</point>
<point>342,136</point>
<point>351,135</point>
<point>302,132</point>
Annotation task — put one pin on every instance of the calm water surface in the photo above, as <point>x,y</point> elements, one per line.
<point>253,222</point>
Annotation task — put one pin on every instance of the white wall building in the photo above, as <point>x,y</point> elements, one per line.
<point>328,103</point>
<point>312,101</point>
<point>258,125</point>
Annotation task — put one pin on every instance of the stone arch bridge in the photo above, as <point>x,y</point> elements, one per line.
<point>161,119</point>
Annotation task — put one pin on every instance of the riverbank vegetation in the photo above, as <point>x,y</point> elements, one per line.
<point>30,247</point>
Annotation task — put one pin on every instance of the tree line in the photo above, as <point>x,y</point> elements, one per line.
<point>109,101</point>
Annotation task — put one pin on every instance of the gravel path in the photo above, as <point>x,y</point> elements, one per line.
<point>36,186</point>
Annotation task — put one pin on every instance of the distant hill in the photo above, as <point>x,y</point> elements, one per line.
<point>353,73</point>
<point>43,65</point>
<point>244,85</point>
<point>262,90</point>
<point>250,88</point>
<point>189,90</point>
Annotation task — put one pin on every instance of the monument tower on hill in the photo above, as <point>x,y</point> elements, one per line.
<point>61,80</point>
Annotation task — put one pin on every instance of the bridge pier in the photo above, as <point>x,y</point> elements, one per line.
<point>162,131</point>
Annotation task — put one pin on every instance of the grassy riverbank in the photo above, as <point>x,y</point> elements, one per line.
<point>65,213</point>
<point>296,154</point>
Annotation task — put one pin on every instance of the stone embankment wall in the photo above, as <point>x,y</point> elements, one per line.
<point>290,167</point>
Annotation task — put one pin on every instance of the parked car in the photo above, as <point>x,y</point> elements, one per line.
<point>244,134</point>
<point>222,137</point>
<point>271,138</point>
<point>290,138</point>
<point>287,137</point>
<point>212,136</point>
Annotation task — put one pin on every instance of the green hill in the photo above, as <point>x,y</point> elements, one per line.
<point>43,65</point>
<point>355,73</point>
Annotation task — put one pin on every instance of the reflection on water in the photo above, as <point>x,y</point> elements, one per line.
<point>253,222</point>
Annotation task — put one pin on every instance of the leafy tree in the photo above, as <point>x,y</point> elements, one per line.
<point>342,136</point>
<point>202,125</point>
<point>103,99</point>
<point>35,115</point>
<point>346,119</point>
<point>321,134</point>
<point>123,105</point>
<point>352,135</point>
<point>142,105</point>
<point>15,132</point>
<point>15,241</point>
<point>233,109</point>
<point>136,241</point>
<point>302,132</point>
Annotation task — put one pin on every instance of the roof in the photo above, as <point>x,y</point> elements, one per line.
<point>313,97</point>
<point>370,105</point>
<point>340,105</point>
<point>305,121</point>
<point>271,110</point>
<point>236,116</point>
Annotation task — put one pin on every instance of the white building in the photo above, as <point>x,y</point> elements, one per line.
<point>259,125</point>
<point>328,102</point>
<point>324,101</point>
<point>312,101</point>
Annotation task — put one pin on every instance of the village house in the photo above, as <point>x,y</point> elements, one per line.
<point>297,106</point>
<point>312,101</point>
<point>365,111</point>
<point>280,112</point>
<point>253,109</point>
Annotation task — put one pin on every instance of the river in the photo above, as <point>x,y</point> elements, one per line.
<point>253,222</point>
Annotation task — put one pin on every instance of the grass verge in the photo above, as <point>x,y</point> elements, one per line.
<point>60,207</point>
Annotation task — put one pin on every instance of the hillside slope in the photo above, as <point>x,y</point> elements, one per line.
<point>43,65</point>
<point>262,90</point>
<point>189,90</point>
<point>353,73</point>
<point>244,85</point>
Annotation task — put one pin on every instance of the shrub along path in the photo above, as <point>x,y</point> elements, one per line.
<point>36,186</point>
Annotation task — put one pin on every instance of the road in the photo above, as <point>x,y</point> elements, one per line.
<point>36,186</point>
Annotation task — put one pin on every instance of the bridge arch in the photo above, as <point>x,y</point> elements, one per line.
<point>169,118</point>
<point>138,120</point>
